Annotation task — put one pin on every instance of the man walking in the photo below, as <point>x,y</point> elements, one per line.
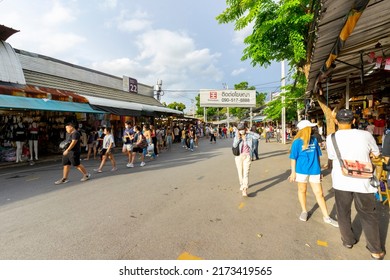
<point>71,155</point>
<point>348,189</point>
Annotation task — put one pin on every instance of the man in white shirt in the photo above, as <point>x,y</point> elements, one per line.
<point>354,144</point>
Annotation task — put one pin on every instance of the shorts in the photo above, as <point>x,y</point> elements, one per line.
<point>304,178</point>
<point>138,150</point>
<point>127,147</point>
<point>71,158</point>
<point>104,152</point>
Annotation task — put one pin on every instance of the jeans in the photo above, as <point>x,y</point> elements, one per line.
<point>365,205</point>
<point>255,148</point>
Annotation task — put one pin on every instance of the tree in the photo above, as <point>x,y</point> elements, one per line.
<point>280,32</point>
<point>177,106</point>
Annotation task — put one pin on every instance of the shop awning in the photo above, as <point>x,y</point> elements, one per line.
<point>116,107</point>
<point>156,110</point>
<point>27,103</point>
<point>124,108</point>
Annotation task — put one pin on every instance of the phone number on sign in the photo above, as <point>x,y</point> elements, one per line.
<point>231,270</point>
<point>236,100</point>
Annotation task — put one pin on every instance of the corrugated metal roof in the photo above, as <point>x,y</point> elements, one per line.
<point>10,69</point>
<point>45,80</point>
<point>353,59</point>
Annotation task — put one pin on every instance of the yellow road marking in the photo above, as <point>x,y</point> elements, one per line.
<point>322,243</point>
<point>242,204</point>
<point>188,256</point>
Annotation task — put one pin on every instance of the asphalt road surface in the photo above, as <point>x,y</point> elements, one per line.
<point>181,205</point>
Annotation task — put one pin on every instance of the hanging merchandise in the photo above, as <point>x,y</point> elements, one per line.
<point>387,64</point>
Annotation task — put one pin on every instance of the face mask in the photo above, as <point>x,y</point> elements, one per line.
<point>242,132</point>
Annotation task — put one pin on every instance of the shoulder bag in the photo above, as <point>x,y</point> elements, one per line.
<point>236,150</point>
<point>65,144</point>
<point>353,168</point>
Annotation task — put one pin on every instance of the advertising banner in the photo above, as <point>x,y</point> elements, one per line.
<point>228,98</point>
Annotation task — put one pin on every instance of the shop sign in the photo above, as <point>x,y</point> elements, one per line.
<point>228,98</point>
<point>130,84</point>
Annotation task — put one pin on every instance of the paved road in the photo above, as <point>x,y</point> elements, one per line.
<point>182,205</point>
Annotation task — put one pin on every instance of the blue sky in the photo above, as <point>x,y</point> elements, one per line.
<point>177,41</point>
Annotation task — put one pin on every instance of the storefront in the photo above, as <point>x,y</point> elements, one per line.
<point>44,93</point>
<point>350,63</point>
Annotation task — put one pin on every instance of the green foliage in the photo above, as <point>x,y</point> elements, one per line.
<point>294,100</point>
<point>280,32</point>
<point>280,29</point>
<point>177,106</point>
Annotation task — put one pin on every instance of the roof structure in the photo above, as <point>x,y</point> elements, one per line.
<point>350,46</point>
<point>6,32</point>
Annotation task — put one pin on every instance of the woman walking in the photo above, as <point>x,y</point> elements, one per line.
<point>243,140</point>
<point>107,151</point>
<point>305,167</point>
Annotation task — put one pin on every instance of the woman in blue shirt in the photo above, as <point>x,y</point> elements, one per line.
<point>305,167</point>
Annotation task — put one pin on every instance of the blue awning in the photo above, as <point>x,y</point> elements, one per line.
<point>27,103</point>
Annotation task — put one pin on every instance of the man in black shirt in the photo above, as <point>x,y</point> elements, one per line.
<point>71,155</point>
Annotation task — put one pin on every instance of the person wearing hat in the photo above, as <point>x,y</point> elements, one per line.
<point>243,139</point>
<point>354,144</point>
<point>305,167</point>
<point>71,156</point>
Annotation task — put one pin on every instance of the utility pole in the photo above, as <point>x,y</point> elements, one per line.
<point>283,84</point>
<point>158,90</point>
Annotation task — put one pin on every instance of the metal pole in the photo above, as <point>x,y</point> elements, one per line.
<point>347,95</point>
<point>283,84</point>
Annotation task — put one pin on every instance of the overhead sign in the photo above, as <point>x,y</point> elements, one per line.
<point>130,84</point>
<point>228,98</point>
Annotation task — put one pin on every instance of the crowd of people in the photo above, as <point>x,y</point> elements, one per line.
<point>138,142</point>
<point>307,143</point>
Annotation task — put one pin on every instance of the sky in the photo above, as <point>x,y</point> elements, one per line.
<point>176,41</point>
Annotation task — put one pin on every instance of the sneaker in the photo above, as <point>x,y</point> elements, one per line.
<point>98,170</point>
<point>114,169</point>
<point>330,221</point>
<point>142,164</point>
<point>303,216</point>
<point>86,177</point>
<point>129,165</point>
<point>61,181</point>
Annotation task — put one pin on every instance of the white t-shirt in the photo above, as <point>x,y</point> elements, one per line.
<point>108,139</point>
<point>353,144</point>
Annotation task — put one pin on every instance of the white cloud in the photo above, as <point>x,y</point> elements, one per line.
<point>58,14</point>
<point>170,56</point>
<point>108,4</point>
<point>239,36</point>
<point>130,21</point>
<point>59,42</point>
<point>237,72</point>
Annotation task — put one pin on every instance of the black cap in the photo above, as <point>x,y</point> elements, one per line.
<point>345,116</point>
